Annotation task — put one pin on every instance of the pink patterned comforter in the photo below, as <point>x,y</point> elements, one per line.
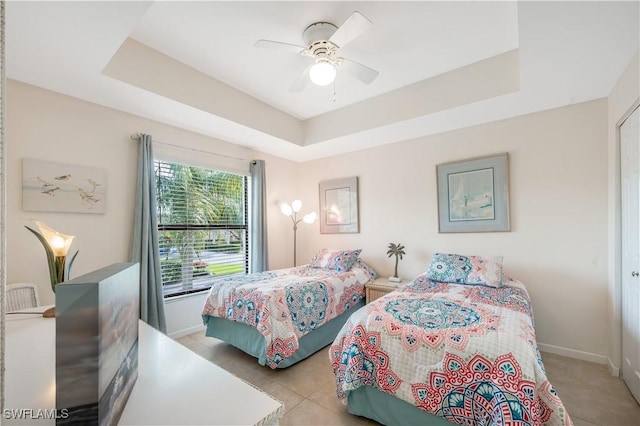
<point>285,304</point>
<point>465,353</point>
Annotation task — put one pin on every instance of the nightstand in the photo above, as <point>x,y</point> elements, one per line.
<point>379,287</point>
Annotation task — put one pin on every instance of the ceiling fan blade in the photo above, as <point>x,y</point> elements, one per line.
<point>359,71</point>
<point>301,81</point>
<point>351,29</point>
<point>278,45</point>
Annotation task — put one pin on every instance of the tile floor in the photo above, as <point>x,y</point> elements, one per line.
<point>591,395</point>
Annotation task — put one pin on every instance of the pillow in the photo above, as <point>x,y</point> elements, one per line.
<point>361,264</point>
<point>340,260</point>
<point>455,268</point>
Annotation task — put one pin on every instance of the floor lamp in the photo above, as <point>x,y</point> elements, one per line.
<point>292,211</point>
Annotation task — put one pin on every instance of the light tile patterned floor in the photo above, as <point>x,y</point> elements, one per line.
<point>591,395</point>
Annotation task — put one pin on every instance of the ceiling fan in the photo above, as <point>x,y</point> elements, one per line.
<point>323,40</point>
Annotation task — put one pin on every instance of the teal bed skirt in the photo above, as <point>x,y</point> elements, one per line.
<point>249,340</point>
<point>386,409</point>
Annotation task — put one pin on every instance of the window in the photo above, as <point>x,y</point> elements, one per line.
<point>202,226</point>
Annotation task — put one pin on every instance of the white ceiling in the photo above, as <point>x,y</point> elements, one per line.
<point>567,52</point>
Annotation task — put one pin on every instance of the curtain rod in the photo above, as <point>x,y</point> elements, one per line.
<point>136,137</point>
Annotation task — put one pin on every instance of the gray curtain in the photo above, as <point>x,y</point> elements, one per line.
<point>258,225</point>
<point>144,246</point>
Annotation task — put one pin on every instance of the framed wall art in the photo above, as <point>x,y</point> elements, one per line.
<point>339,206</point>
<point>58,187</point>
<point>473,195</point>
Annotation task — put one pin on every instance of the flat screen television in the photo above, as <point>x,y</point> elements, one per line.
<point>97,344</point>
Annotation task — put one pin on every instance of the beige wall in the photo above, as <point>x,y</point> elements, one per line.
<point>48,126</point>
<point>558,185</point>
<point>558,196</point>
<point>625,93</point>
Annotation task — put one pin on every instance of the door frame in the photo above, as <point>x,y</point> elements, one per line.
<point>615,364</point>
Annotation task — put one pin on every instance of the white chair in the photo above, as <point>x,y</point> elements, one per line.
<point>22,296</point>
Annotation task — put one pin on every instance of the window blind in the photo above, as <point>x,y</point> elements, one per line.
<point>202,226</point>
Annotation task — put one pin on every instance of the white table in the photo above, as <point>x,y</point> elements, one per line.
<point>174,385</point>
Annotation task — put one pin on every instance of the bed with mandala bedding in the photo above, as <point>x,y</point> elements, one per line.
<point>455,346</point>
<point>283,316</point>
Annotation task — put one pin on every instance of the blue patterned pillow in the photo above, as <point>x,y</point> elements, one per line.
<point>340,260</point>
<point>361,264</point>
<point>455,268</point>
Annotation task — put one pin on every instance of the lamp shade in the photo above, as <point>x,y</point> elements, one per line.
<point>59,242</point>
<point>322,73</point>
<point>56,245</point>
<point>310,218</point>
<point>286,209</point>
<point>296,205</point>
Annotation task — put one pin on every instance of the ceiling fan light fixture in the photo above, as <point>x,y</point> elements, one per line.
<point>322,43</point>
<point>322,73</point>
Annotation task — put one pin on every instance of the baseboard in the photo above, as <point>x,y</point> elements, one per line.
<point>572,353</point>
<point>181,333</point>
<point>613,370</point>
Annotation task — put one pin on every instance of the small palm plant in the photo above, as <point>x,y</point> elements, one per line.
<point>396,250</point>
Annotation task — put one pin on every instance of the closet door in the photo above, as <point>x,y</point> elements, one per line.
<point>630,197</point>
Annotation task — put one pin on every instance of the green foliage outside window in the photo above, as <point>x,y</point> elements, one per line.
<point>201,219</point>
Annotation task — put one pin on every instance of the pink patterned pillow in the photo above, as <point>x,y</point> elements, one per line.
<point>486,271</point>
<point>340,260</point>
